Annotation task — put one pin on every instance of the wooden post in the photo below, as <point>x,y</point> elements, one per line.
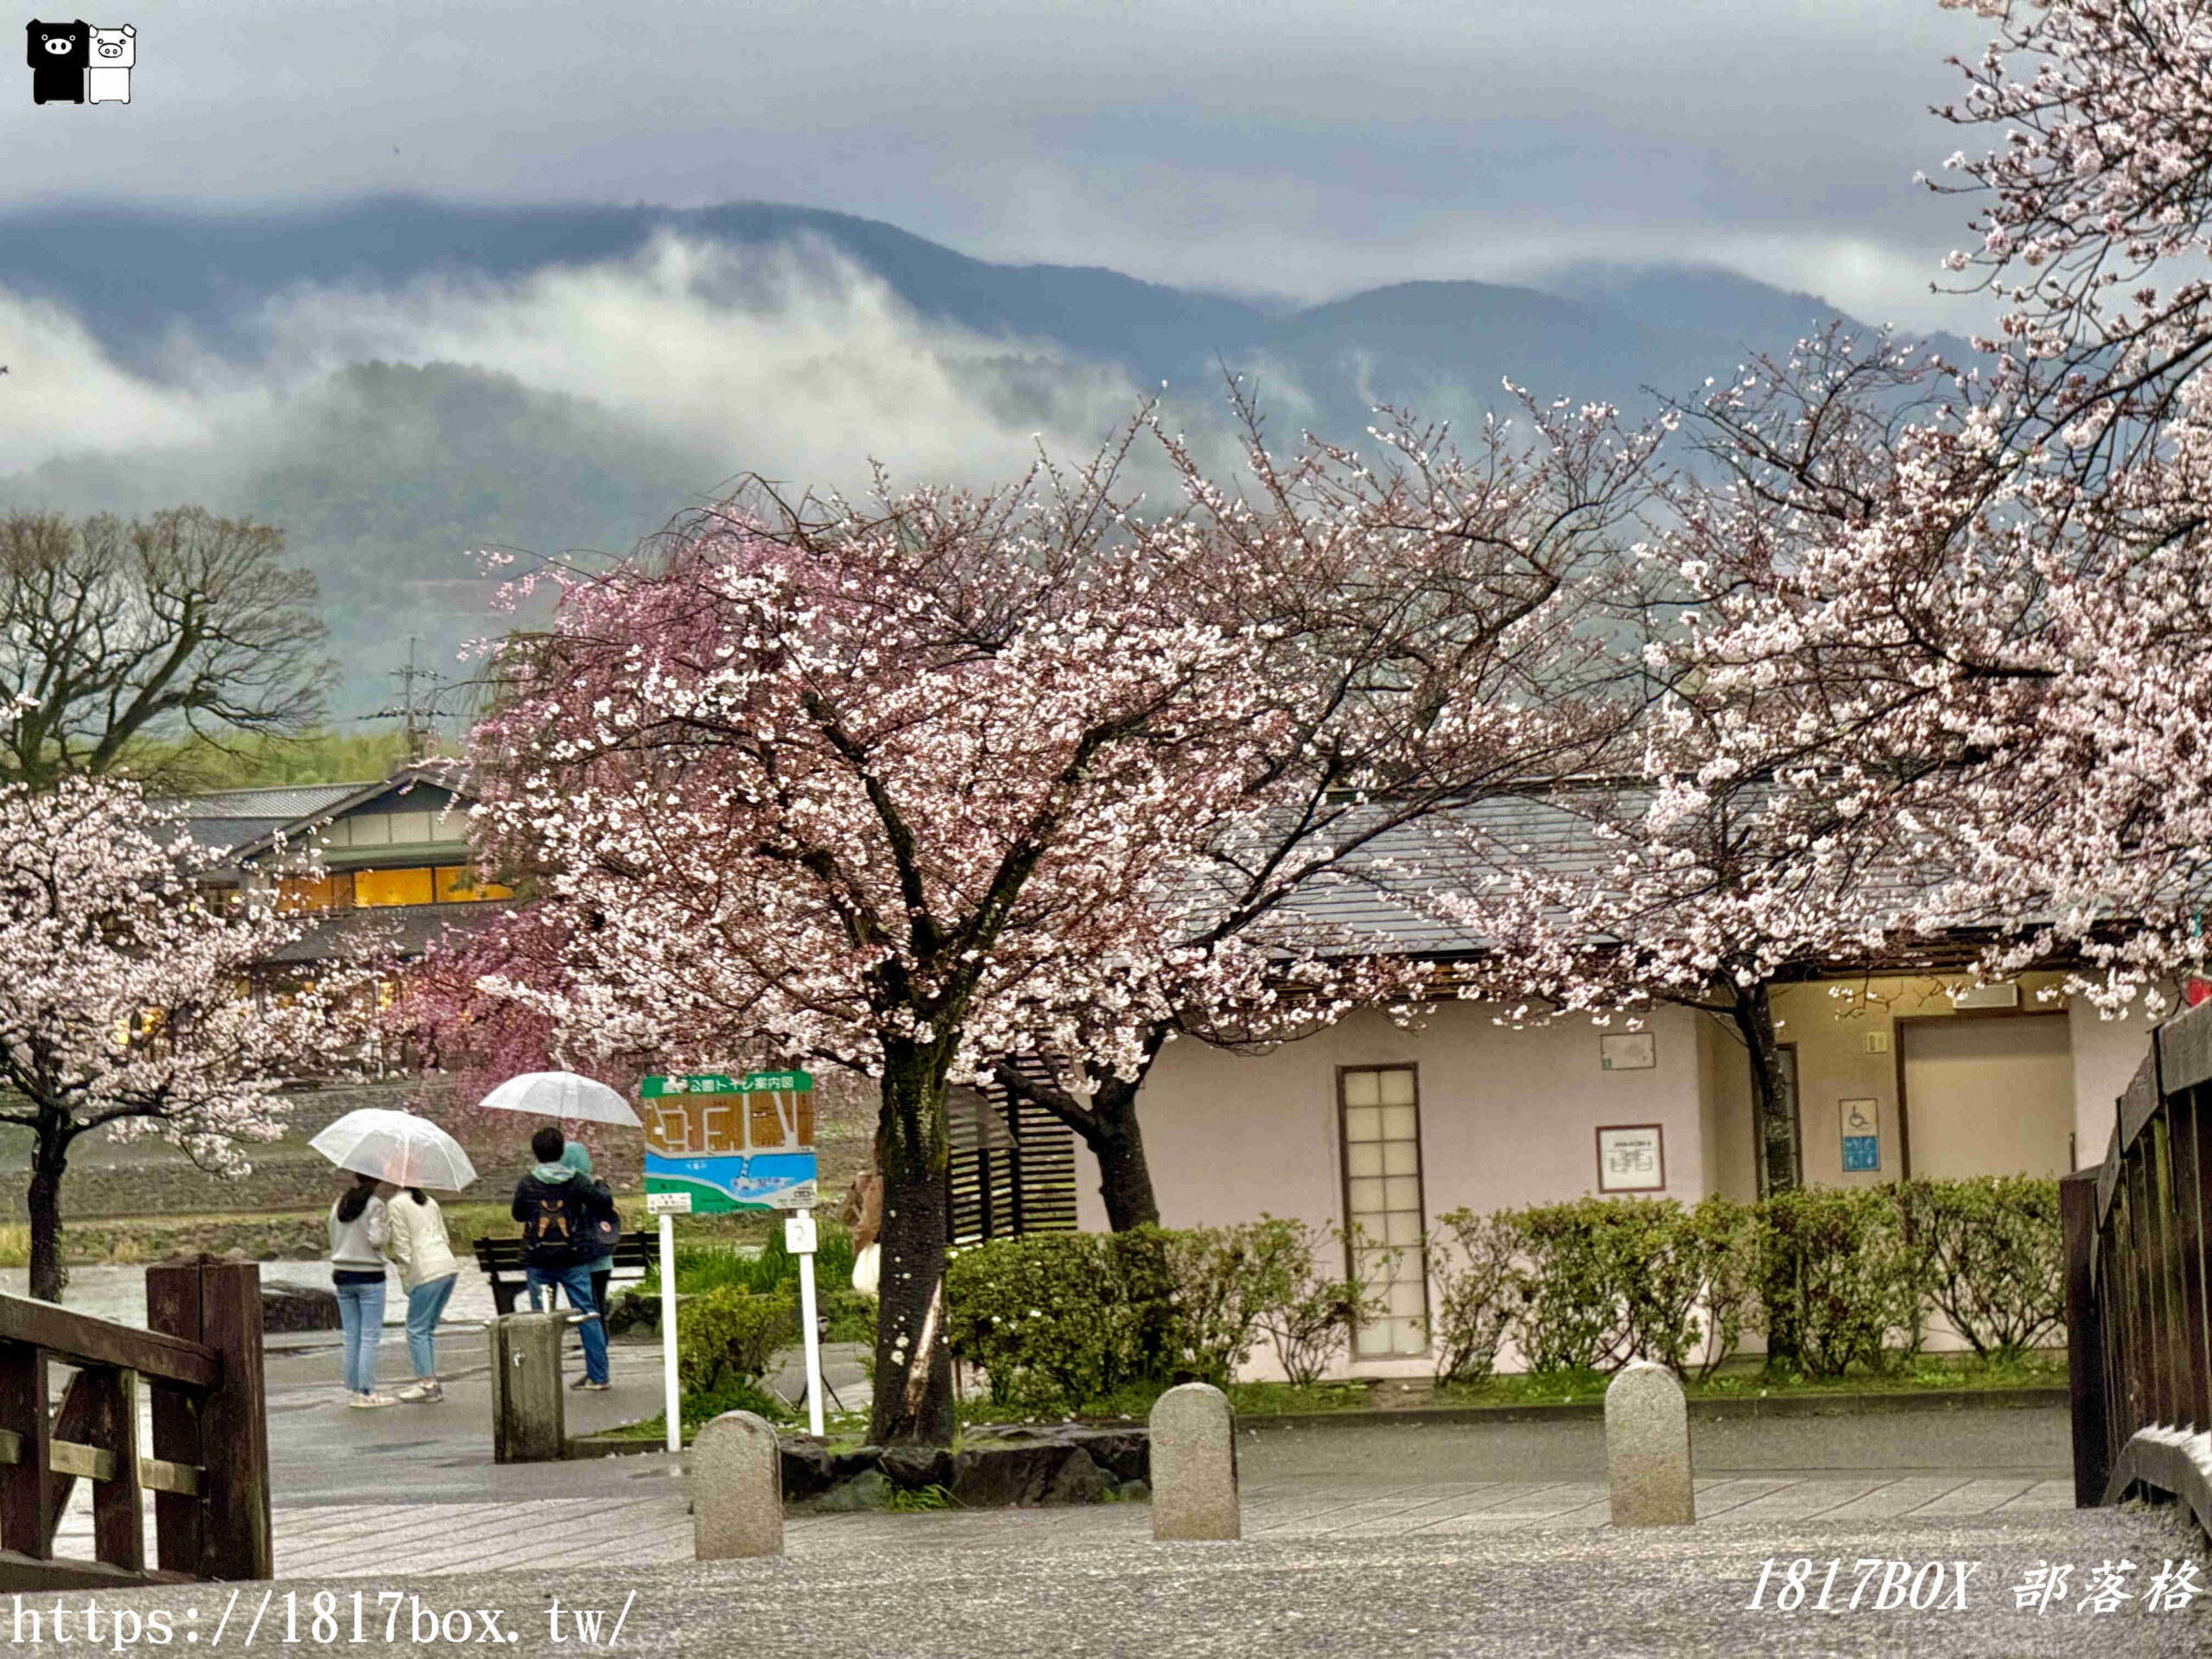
<point>234,1428</point>
<point>118,1501</point>
<point>2145,1395</point>
<point>173,1308</point>
<point>2184,1117</point>
<point>26,1512</point>
<point>2085,1369</point>
<point>74,1419</point>
<point>529,1421</point>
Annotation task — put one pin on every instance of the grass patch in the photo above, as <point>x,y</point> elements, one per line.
<point>700,1409</point>
<point>703,1265</point>
<point>920,1500</point>
<point>1933,1373</point>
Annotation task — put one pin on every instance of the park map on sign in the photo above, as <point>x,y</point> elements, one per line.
<point>731,1143</point>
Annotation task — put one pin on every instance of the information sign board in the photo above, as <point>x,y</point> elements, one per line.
<point>731,1142</point>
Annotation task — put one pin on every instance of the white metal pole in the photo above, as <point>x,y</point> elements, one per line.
<point>667,1333</point>
<point>813,1342</point>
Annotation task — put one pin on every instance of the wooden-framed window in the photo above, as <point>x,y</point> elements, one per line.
<point>1379,1109</point>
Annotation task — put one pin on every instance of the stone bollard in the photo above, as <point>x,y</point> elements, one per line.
<point>1647,1449</point>
<point>737,1489</point>
<point>1194,1465</point>
<point>529,1408</point>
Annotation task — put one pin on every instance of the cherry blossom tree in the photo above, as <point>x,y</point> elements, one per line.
<point>466,1041</point>
<point>2006,563</point>
<point>124,995</point>
<point>892,790</point>
<point>1428,646</point>
<point>2094,204</point>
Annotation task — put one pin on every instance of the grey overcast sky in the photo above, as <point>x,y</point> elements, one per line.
<point>1300,147</point>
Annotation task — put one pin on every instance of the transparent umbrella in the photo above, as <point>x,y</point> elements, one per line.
<point>397,1147</point>
<point>561,1094</point>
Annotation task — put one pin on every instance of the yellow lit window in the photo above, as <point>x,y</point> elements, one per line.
<point>373,888</point>
<point>458,884</point>
<point>325,892</point>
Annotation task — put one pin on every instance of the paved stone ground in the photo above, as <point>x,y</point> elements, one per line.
<point>357,1491</point>
<point>1393,1538</point>
<point>1089,1582</point>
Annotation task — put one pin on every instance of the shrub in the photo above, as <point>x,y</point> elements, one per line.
<point>1836,1269</point>
<point>1056,1319</point>
<point>728,1334</point>
<point>740,1394</point>
<point>851,1315</point>
<point>1478,1288</point>
<point>1994,1258</point>
<point>1225,1282</point>
<point>1572,1317</point>
<point>1068,1320</point>
<point>1308,1315</point>
<point>1727,1236</point>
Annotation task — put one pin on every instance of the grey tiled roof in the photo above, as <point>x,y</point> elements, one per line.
<point>282,803</point>
<point>1374,901</point>
<point>234,820</point>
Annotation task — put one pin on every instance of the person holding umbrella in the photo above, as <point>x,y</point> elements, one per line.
<point>357,1236</point>
<point>385,1151</point>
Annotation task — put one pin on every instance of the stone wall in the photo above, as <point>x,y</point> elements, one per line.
<point>148,1178</point>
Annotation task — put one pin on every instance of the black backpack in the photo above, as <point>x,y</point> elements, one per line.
<point>558,1232</point>
<point>607,1225</point>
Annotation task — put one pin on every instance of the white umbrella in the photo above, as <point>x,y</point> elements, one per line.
<point>561,1094</point>
<point>397,1147</point>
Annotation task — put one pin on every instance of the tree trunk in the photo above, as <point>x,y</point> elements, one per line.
<point>1773,1108</point>
<point>1775,1112</point>
<point>1108,1125</point>
<point>913,1366</point>
<point>48,1278</point>
<point>1117,1142</point>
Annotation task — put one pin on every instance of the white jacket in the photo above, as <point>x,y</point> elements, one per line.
<point>417,1242</point>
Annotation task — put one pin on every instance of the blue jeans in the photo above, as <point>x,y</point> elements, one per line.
<point>360,1310</point>
<point>425,1305</point>
<point>576,1281</point>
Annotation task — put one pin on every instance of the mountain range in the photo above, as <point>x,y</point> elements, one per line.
<point>398,381</point>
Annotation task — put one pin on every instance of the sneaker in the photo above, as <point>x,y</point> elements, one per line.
<point>371,1402</point>
<point>422,1393</point>
<point>583,1381</point>
<point>597,1388</point>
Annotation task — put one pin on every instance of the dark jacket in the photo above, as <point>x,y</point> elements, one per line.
<point>557,1218</point>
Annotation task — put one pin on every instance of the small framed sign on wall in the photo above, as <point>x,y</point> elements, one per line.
<point>1631,1158</point>
<point>1627,1051</point>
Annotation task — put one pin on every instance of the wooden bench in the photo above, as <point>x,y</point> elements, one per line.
<point>501,1260</point>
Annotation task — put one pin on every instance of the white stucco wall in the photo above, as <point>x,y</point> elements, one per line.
<point>2106,1055</point>
<point>1507,1118</point>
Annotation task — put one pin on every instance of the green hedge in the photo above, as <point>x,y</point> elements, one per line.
<point>1069,1321</point>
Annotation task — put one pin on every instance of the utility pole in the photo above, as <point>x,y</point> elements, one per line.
<point>417,715</point>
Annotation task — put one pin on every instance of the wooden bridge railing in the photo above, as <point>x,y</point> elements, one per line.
<point>2138,1306</point>
<point>207,1458</point>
